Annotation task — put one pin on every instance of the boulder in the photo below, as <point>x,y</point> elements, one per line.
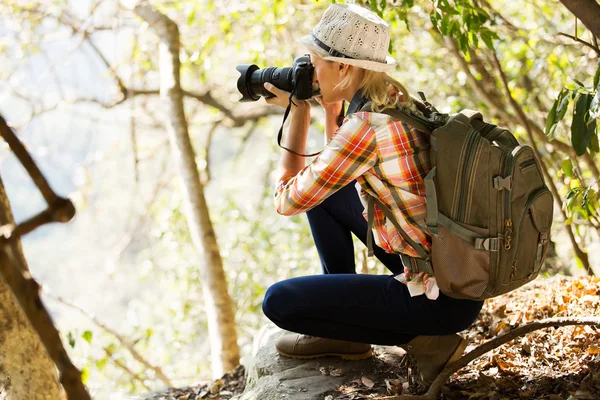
<point>270,376</point>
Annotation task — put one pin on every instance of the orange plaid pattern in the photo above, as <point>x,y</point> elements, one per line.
<point>387,158</point>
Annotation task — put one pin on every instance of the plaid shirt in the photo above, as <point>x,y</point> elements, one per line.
<point>387,158</point>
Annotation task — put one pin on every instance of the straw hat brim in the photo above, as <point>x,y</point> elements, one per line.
<point>388,65</point>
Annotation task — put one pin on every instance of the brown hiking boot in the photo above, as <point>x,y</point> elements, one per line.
<point>433,353</point>
<point>304,346</point>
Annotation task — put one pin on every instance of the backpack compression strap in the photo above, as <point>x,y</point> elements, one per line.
<point>421,264</point>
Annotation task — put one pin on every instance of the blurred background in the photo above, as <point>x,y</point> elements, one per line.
<point>79,83</point>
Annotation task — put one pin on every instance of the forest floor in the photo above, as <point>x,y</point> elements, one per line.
<point>553,364</point>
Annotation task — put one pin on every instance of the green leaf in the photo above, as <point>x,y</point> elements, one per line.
<point>578,262</point>
<point>579,83</point>
<point>85,375</point>
<point>191,17</point>
<point>100,364</point>
<point>444,26</point>
<point>149,333</point>
<point>552,131</point>
<point>597,77</point>
<point>551,118</point>
<point>563,99</point>
<point>594,145</point>
<point>567,167</point>
<point>581,131</point>
<point>595,106</point>
<point>87,336</point>
<point>71,339</point>
<point>487,37</point>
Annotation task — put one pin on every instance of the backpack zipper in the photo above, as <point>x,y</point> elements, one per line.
<point>500,217</point>
<point>466,174</point>
<point>508,225</point>
<point>473,143</point>
<point>528,204</point>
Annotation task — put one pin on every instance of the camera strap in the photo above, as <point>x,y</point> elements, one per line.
<point>280,134</point>
<point>357,102</point>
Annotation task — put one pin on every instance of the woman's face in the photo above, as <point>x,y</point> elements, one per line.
<point>327,75</point>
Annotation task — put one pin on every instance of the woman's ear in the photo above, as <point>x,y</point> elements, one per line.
<point>343,69</point>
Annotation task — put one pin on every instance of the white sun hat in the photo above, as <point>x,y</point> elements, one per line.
<point>354,35</point>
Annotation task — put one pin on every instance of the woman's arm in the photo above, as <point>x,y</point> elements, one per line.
<point>289,163</point>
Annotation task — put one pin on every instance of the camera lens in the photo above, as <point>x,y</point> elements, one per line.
<point>252,79</point>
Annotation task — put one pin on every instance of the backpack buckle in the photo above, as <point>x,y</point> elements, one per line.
<point>416,265</point>
<point>501,183</point>
<point>489,244</point>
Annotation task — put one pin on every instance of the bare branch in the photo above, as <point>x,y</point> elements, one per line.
<point>499,108</point>
<point>122,340</point>
<point>588,11</point>
<point>124,367</point>
<point>590,45</point>
<point>207,146</point>
<point>128,239</point>
<point>134,146</point>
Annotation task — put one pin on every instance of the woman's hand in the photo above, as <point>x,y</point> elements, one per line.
<point>282,98</point>
<point>332,113</point>
<point>330,108</point>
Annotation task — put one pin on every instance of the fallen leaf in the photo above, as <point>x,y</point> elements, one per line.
<point>593,349</point>
<point>214,389</point>
<point>336,372</point>
<point>527,394</point>
<point>367,382</point>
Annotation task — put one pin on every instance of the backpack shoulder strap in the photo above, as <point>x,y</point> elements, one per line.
<point>422,124</point>
<point>421,264</point>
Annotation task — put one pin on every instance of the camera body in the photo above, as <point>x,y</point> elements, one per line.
<point>302,77</point>
<point>297,79</point>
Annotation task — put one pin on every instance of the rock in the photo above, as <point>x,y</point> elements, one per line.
<point>273,377</point>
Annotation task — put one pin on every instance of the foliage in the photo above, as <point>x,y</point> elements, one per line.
<point>585,102</point>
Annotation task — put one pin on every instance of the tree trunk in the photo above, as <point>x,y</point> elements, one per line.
<point>23,358</point>
<point>221,321</point>
<point>588,11</point>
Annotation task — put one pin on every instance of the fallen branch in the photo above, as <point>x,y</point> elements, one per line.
<point>437,384</point>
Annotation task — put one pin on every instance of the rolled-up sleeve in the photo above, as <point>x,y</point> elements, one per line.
<point>349,154</point>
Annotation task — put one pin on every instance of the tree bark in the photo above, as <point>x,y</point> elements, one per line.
<point>221,320</point>
<point>23,357</point>
<point>588,11</point>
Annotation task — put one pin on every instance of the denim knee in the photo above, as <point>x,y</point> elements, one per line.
<point>273,303</point>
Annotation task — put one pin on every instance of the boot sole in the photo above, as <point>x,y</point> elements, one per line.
<point>359,356</point>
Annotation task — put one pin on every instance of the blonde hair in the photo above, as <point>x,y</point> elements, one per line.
<point>377,87</point>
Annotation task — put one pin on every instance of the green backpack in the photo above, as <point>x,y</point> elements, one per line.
<point>488,209</point>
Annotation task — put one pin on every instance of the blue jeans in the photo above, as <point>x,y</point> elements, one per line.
<point>344,305</point>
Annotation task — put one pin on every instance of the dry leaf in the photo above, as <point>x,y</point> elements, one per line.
<point>367,382</point>
<point>593,349</point>
<point>336,372</point>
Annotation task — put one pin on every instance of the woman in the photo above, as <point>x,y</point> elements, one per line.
<point>341,313</point>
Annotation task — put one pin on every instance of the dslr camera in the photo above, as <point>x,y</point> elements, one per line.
<point>297,79</point>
